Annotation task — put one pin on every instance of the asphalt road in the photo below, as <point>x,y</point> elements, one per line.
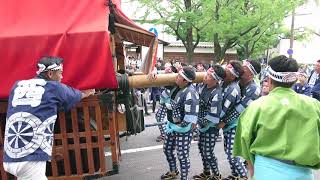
<point>143,158</point>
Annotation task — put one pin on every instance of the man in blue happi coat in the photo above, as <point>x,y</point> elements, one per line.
<point>229,116</point>
<point>33,106</point>
<point>182,113</point>
<point>210,105</point>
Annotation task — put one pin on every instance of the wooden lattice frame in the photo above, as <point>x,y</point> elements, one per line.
<point>84,140</point>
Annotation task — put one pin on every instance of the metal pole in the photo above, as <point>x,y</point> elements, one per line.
<point>292,31</point>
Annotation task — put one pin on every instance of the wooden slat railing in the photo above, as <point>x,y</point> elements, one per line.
<point>79,141</point>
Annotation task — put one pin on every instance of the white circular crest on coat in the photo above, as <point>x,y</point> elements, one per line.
<point>20,138</point>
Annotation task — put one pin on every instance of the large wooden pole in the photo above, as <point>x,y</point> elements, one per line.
<point>144,81</point>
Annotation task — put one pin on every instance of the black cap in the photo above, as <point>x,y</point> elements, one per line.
<point>189,72</point>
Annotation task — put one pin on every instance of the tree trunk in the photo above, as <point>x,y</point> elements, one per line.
<point>189,38</point>
<point>189,48</point>
<point>190,53</point>
<point>244,51</point>
<point>218,53</point>
<point>217,57</point>
<point>247,52</point>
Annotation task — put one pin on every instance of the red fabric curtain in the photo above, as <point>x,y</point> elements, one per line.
<point>74,30</point>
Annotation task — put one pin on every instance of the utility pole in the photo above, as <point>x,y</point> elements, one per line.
<point>292,34</point>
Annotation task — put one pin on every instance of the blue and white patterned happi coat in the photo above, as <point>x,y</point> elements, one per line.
<point>250,93</point>
<point>231,97</point>
<point>32,112</point>
<point>186,102</point>
<point>210,103</point>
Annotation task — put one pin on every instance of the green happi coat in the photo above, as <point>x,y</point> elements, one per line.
<point>283,125</point>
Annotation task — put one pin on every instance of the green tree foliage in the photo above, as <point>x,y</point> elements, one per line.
<point>181,17</point>
<point>255,43</point>
<point>250,26</point>
<point>266,34</point>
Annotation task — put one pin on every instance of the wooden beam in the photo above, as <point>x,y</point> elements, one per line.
<point>134,29</point>
<point>144,81</point>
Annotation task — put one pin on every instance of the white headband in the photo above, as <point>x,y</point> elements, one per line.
<point>232,70</point>
<point>53,67</point>
<point>183,74</point>
<point>250,67</point>
<point>285,77</point>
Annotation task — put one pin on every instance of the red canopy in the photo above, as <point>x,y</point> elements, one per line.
<point>74,30</point>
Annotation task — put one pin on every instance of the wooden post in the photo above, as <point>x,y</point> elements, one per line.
<point>113,52</point>
<point>114,135</point>
<point>120,56</point>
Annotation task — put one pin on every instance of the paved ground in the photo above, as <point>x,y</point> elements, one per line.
<point>149,163</point>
